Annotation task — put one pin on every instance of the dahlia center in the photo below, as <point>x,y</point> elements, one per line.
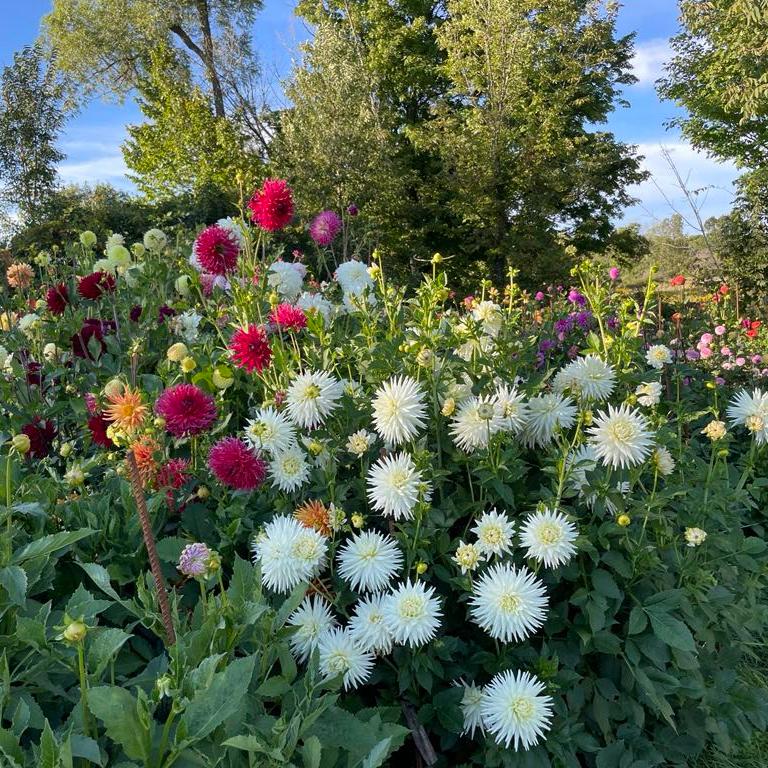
<point>510,603</point>
<point>399,479</point>
<point>522,709</point>
<point>550,534</point>
<point>493,535</point>
<point>621,431</point>
<point>754,423</point>
<point>291,465</point>
<point>369,554</point>
<point>338,663</point>
<point>312,392</point>
<point>305,549</point>
<point>411,608</point>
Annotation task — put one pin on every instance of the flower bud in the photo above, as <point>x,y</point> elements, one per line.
<point>177,352</point>
<point>449,406</point>
<point>623,520</point>
<point>182,285</point>
<point>188,364</point>
<point>222,377</point>
<point>358,521</point>
<point>65,450</point>
<point>159,422</point>
<point>88,238</point>
<point>75,632</point>
<point>21,443</point>
<point>113,388</point>
<point>421,568</point>
<point>203,492</point>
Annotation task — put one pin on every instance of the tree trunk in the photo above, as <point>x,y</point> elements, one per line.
<point>204,15</point>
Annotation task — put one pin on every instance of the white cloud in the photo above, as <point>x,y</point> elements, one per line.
<point>649,59</point>
<point>710,183</point>
<point>109,167</point>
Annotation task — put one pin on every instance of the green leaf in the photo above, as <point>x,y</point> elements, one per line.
<point>311,752</point>
<point>638,621</point>
<point>672,631</point>
<point>378,754</point>
<point>169,549</point>
<point>605,585</point>
<point>49,748</point>
<point>104,646</point>
<point>220,700</point>
<point>14,579</point>
<point>272,688</point>
<point>116,708</point>
<point>290,605</point>
<point>9,747</point>
<point>82,604</point>
<point>47,545</point>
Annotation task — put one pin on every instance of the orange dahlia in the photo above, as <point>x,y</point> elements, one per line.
<point>314,514</point>
<point>145,449</point>
<point>126,410</point>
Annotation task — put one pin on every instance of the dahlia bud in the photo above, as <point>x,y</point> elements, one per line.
<point>65,450</point>
<point>21,443</point>
<point>203,492</point>
<point>623,520</point>
<point>188,364</point>
<point>182,285</point>
<point>75,632</point>
<point>88,238</point>
<point>159,422</point>
<point>75,476</point>
<point>177,352</point>
<point>374,271</point>
<point>358,521</point>
<point>113,388</point>
<point>437,259</point>
<point>421,568</point>
<point>70,389</point>
<point>163,686</point>
<point>222,377</point>
<point>449,406</point>
<point>274,299</point>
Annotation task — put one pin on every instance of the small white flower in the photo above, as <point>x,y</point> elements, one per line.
<point>663,461</point>
<point>513,410</point>
<point>494,531</point>
<point>546,414</point>
<point>270,431</point>
<point>399,410</point>
<point>287,278</point>
<point>186,325</point>
<point>471,708</point>
<point>508,603</point>
<point>368,628</point>
<point>6,358</point>
<point>29,323</point>
<point>234,227</point>
<point>315,302</point>
<point>658,356</point>
<point>289,469</point>
<point>113,240</point>
<point>395,486</point>
<point>312,397</point>
<point>587,376</point>
<point>155,240</point>
<point>489,315</point>
<point>515,711</point>
<point>369,560</point>
<point>312,620</point>
<point>341,655</point>
<point>412,614</point>
<point>649,394</point>
<point>467,557</point>
<point>50,352</point>
<point>751,411</point>
<point>359,442</point>
<point>475,422</point>
<point>353,277</point>
<point>694,537</point>
<point>548,537</point>
<point>621,437</point>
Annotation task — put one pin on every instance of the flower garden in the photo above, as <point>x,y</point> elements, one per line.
<point>263,509</point>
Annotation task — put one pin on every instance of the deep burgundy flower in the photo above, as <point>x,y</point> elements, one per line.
<point>234,464</point>
<point>272,205</point>
<point>352,209</point>
<point>97,424</point>
<point>217,249</point>
<point>187,410</point>
<point>250,348</point>
<point>288,317</point>
<point>135,313</point>
<point>57,299</point>
<point>41,435</point>
<point>92,329</point>
<point>93,286</point>
<point>32,370</point>
<point>165,311</point>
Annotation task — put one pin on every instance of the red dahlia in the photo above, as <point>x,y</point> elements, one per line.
<point>234,464</point>
<point>57,299</point>
<point>173,474</point>
<point>82,342</point>
<point>250,348</point>
<point>187,410</point>
<point>272,205</point>
<point>41,435</point>
<point>94,285</point>
<point>677,280</point>
<point>98,426</point>
<point>217,250</point>
<point>289,317</point>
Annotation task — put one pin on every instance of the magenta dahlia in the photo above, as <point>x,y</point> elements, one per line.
<point>324,227</point>
<point>272,205</point>
<point>94,285</point>
<point>217,250</point>
<point>57,299</point>
<point>250,348</point>
<point>173,474</point>
<point>187,410</point>
<point>288,317</point>
<point>235,465</point>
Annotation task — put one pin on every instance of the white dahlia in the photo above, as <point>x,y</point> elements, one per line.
<point>621,437</point>
<point>476,420</point>
<point>514,709</point>
<point>494,531</point>
<point>353,277</point>
<point>513,410</point>
<point>471,708</point>
<point>467,557</point>
<point>658,356</point>
<point>508,603</point>
<point>546,414</point>
<point>312,620</point>
<point>287,278</point>
<point>395,486</point>
<point>359,442</point>
<point>587,376</point>
<point>412,614</point>
<point>270,431</point>
<point>489,315</point>
<point>315,302</point>
<point>289,469</point>
<point>399,410</point>
<point>649,393</point>
<point>369,560</point>
<point>548,537</point>
<point>368,628</point>
<point>751,411</point>
<point>341,655</point>
<point>312,397</point>
<point>663,461</point>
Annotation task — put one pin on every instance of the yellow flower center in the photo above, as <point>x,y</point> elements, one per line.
<point>549,533</point>
<point>622,431</point>
<point>522,708</point>
<point>411,607</point>
<point>510,603</point>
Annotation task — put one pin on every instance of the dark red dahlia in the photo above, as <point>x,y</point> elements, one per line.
<point>250,348</point>
<point>41,435</point>
<point>217,250</point>
<point>57,299</point>
<point>187,410</point>
<point>94,285</point>
<point>97,424</point>
<point>235,465</point>
<point>32,370</point>
<point>288,317</point>
<point>82,345</point>
<point>173,474</point>
<point>272,205</point>
<point>165,311</point>
<point>135,313</point>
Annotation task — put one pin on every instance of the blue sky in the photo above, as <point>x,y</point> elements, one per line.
<point>92,139</point>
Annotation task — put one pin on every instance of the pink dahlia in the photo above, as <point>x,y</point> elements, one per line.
<point>272,205</point>
<point>57,299</point>
<point>217,250</point>
<point>250,348</point>
<point>173,474</point>
<point>187,410</point>
<point>288,317</point>
<point>94,285</point>
<point>234,464</point>
<point>324,227</point>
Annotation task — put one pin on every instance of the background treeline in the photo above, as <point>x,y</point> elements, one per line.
<point>475,128</point>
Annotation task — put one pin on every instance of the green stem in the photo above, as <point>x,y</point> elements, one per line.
<point>8,502</point>
<point>83,686</point>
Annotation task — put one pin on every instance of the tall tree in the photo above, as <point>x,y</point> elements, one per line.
<point>31,119</point>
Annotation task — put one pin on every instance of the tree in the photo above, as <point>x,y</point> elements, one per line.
<point>184,148</point>
<point>31,119</point>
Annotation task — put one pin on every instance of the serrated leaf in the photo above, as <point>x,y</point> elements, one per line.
<point>14,579</point>
<point>672,631</point>
<point>105,645</point>
<point>638,621</point>
<point>47,545</point>
<point>312,752</point>
<point>378,754</point>
<point>116,708</point>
